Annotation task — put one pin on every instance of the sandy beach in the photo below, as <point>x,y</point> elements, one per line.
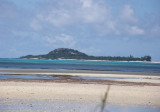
<point>75,94</point>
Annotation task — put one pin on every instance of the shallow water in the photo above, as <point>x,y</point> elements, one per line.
<point>57,77</point>
<point>27,77</point>
<point>80,65</point>
<point>102,78</point>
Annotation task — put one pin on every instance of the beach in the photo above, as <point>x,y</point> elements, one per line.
<point>80,95</point>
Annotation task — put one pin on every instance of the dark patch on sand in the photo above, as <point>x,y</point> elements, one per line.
<point>83,81</point>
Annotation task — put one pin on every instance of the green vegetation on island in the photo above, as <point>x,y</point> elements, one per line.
<point>65,53</point>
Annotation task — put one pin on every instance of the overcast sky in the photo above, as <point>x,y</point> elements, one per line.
<point>95,27</point>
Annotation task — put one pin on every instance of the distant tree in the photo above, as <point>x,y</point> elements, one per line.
<point>131,56</point>
<point>147,58</point>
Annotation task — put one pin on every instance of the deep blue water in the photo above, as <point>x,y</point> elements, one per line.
<point>80,65</point>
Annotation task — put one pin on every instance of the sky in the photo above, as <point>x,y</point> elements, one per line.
<point>95,27</point>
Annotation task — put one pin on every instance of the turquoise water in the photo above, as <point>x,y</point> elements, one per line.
<point>80,65</point>
<point>80,62</point>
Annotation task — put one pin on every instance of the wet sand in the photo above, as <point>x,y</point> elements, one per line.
<point>74,71</point>
<point>90,73</point>
<point>78,91</point>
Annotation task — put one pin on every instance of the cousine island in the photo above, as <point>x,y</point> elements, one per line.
<point>66,53</point>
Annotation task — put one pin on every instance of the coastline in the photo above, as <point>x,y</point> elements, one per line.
<point>19,70</point>
<point>89,73</point>
<point>141,92</point>
<point>85,60</point>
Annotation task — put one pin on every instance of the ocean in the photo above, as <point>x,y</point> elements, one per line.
<point>80,65</point>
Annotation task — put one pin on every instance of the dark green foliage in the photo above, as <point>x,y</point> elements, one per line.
<point>65,53</point>
<point>146,58</point>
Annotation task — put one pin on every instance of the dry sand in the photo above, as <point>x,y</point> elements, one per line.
<point>121,95</point>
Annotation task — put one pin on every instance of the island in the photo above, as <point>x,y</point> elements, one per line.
<point>66,53</point>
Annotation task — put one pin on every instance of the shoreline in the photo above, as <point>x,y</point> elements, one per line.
<point>19,70</point>
<point>80,73</point>
<point>84,76</point>
<point>85,60</point>
<point>141,92</point>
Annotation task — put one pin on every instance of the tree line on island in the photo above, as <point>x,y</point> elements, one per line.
<point>65,53</point>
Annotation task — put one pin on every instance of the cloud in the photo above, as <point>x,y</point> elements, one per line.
<point>90,50</point>
<point>67,12</point>
<point>127,24</point>
<point>97,15</point>
<point>56,13</point>
<point>35,25</point>
<point>61,40</point>
<point>127,14</point>
<point>13,50</point>
<point>108,27</point>
<point>64,38</point>
<point>49,40</point>
<point>134,30</point>
<point>155,31</point>
<point>93,11</point>
<point>57,18</point>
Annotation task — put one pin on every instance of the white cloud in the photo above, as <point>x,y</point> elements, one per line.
<point>93,12</point>
<point>134,30</point>
<point>56,17</point>
<point>67,12</point>
<point>127,14</point>
<point>155,31</point>
<point>64,38</point>
<point>86,3</point>
<point>49,40</point>
<point>61,40</point>
<point>13,50</point>
<point>127,23</point>
<point>35,25</point>
<point>90,50</point>
<point>108,27</point>
<point>96,14</point>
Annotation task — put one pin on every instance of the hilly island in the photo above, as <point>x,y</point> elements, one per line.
<point>66,53</point>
